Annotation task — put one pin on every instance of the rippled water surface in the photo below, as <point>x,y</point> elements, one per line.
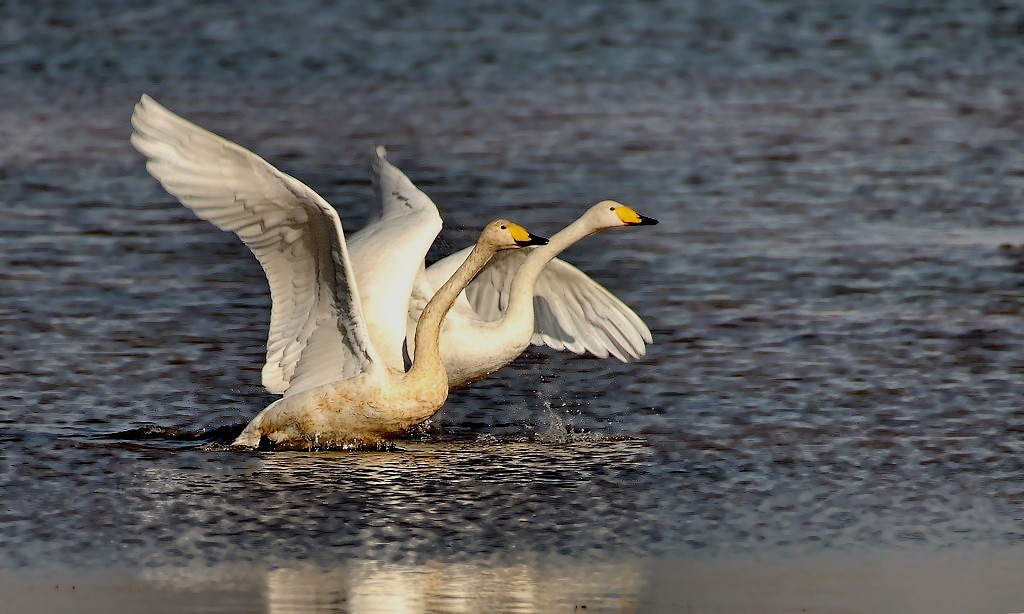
<point>835,289</point>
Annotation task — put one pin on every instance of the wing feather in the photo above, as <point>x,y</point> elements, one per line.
<point>397,195</point>
<point>317,333</point>
<point>571,311</point>
<point>388,255</point>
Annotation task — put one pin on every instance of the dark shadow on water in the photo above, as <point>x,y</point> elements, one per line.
<point>153,432</point>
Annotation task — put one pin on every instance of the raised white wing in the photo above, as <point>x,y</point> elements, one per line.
<point>571,311</point>
<point>317,333</point>
<point>387,255</point>
<point>397,196</point>
<point>574,312</point>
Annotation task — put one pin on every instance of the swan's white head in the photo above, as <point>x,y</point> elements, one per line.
<point>610,214</point>
<point>503,234</point>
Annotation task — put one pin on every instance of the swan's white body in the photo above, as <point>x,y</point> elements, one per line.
<point>530,295</point>
<point>338,390</point>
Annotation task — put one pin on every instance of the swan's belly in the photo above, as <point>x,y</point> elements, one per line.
<point>343,416</point>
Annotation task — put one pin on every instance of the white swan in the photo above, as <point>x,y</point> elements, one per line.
<point>340,393</point>
<point>380,402</point>
<point>569,311</point>
<point>529,296</point>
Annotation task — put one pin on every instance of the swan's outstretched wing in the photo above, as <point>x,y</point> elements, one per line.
<point>397,196</point>
<point>571,311</point>
<point>574,312</point>
<point>317,334</point>
<point>387,255</point>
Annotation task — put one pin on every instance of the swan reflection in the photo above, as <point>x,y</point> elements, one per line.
<point>554,584</point>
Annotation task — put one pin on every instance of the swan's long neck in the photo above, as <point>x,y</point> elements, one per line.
<point>520,303</point>
<point>427,357</point>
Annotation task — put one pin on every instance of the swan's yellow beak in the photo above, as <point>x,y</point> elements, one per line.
<point>629,217</point>
<point>523,237</point>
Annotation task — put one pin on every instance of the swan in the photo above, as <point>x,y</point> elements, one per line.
<point>340,392</point>
<point>530,295</point>
<point>569,311</point>
<point>572,311</point>
<point>380,402</point>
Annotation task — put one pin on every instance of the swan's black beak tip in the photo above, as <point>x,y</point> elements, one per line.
<point>532,240</point>
<point>646,221</point>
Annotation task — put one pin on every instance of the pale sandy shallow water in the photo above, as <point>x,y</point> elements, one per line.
<point>830,417</point>
<point>839,583</point>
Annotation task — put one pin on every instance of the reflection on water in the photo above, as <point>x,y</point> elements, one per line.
<point>541,586</point>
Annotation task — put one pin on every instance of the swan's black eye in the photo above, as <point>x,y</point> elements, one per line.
<point>503,227</point>
<point>611,208</point>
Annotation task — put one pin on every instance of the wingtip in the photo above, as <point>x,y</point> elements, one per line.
<point>633,354</point>
<point>146,102</point>
<point>379,161</point>
<point>149,107</point>
<point>135,138</point>
<point>144,109</point>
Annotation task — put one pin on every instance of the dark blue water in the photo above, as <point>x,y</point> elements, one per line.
<point>835,289</point>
